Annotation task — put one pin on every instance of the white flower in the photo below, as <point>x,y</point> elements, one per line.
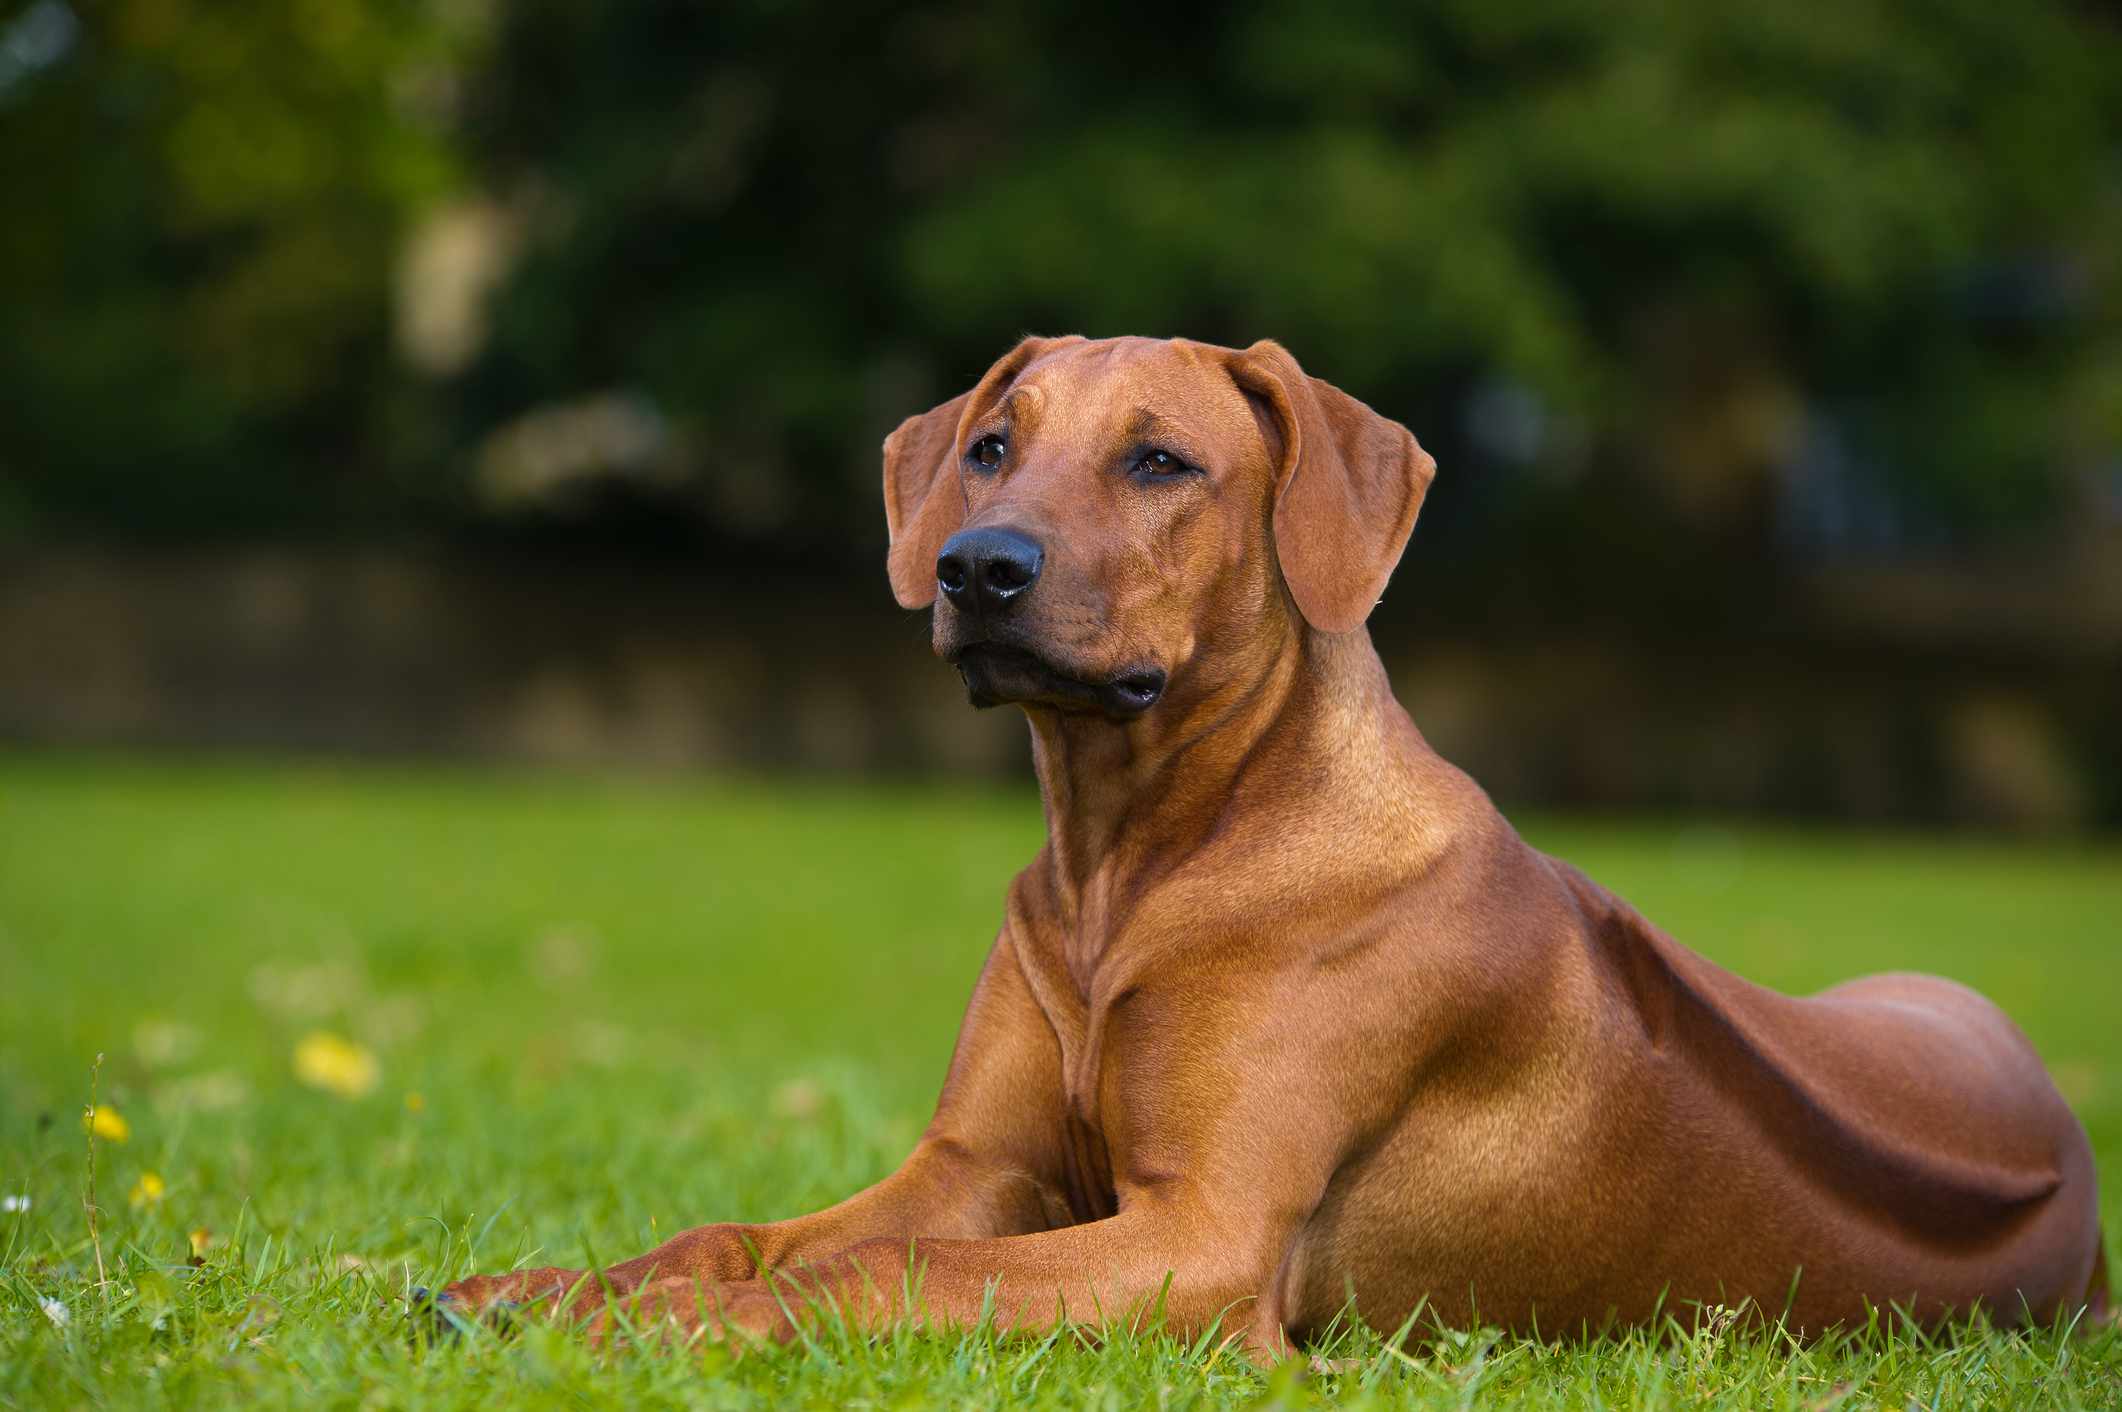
<point>58,1313</point>
<point>13,1204</point>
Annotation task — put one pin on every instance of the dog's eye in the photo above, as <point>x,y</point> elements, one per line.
<point>987,452</point>
<point>1160,463</point>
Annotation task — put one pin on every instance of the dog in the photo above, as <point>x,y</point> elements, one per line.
<point>1284,1018</point>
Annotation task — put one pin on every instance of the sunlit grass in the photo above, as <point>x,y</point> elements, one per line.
<point>375,1028</point>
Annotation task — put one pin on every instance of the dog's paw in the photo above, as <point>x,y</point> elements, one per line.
<point>685,1311</point>
<point>435,1315</point>
<point>493,1300</point>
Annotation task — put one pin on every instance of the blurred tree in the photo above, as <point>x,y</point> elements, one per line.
<point>205,203</point>
<point>1739,279</point>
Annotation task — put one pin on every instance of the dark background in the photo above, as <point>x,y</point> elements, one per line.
<point>505,379</point>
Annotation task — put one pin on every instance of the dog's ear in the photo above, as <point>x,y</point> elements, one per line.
<point>1347,488</point>
<point>924,494</point>
<point>924,502</point>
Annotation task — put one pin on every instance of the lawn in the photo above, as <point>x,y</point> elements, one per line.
<point>366,1028</point>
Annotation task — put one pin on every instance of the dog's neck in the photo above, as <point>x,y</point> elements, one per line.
<point>1129,804</point>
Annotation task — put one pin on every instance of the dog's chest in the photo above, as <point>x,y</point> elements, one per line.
<point>1092,969</point>
<point>1091,1194</point>
<point>1081,1009</point>
<point>1081,1026</point>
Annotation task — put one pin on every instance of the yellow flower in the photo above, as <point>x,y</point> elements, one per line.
<point>147,1191</point>
<point>414,1103</point>
<point>336,1064</point>
<point>104,1122</point>
<point>201,1240</point>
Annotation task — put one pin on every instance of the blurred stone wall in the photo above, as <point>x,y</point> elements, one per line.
<point>1928,700</point>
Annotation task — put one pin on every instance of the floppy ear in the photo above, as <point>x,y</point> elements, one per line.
<point>924,497</point>
<point>924,502</point>
<point>1347,490</point>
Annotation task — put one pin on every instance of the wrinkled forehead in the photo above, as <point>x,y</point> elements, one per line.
<point>1092,395</point>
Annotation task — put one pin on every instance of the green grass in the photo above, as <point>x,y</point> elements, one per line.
<point>607,1011</point>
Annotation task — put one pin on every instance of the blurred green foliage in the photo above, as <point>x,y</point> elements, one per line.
<point>206,202</point>
<point>1629,262</point>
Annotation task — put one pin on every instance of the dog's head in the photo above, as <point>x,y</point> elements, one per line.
<point>1103,520</point>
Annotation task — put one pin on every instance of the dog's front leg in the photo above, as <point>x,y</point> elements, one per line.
<point>988,1166</point>
<point>1173,1259</point>
<point>940,1188</point>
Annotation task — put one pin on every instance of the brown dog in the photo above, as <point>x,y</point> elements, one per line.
<point>1284,1014</point>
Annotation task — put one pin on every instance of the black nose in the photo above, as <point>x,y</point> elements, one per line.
<point>987,569</point>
